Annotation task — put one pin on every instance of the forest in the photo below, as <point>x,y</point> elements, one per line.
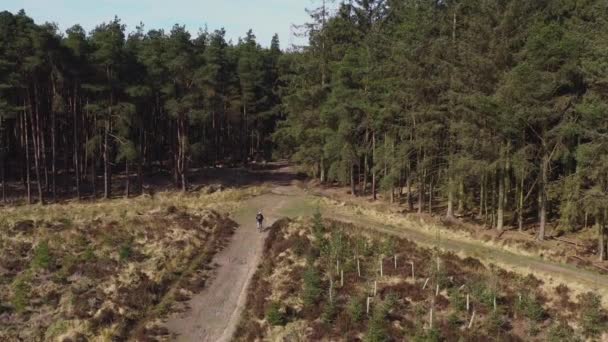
<point>75,107</point>
<point>495,110</point>
<point>489,109</point>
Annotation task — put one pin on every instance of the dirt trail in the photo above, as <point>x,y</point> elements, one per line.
<point>524,264</point>
<point>214,313</point>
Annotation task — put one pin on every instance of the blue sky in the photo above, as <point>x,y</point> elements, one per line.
<point>265,17</point>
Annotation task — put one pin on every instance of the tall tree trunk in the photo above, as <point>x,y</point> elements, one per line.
<point>34,118</point>
<point>450,210</point>
<point>420,193</point>
<point>182,153</point>
<point>365,166</point>
<point>542,197</point>
<point>601,226</point>
<point>374,190</point>
<point>107,181</point>
<point>410,201</point>
<point>93,178</point>
<point>520,206</point>
<point>140,173</point>
<point>461,196</point>
<point>54,156</point>
<point>507,180</point>
<point>323,170</point>
<point>107,176</point>
<point>431,197</point>
<point>352,180</point>
<point>127,180</point>
<point>3,173</point>
<point>485,198</point>
<point>76,144</point>
<point>481,195</point>
<point>501,200</point>
<point>28,180</point>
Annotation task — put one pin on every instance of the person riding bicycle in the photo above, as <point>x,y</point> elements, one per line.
<point>259,218</point>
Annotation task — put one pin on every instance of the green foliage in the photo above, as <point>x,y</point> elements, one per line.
<point>454,320</point>
<point>311,288</point>
<point>20,292</point>
<point>530,308</point>
<point>562,332</point>
<point>89,254</point>
<point>495,322</point>
<point>356,309</point>
<point>318,227</point>
<point>424,335</point>
<point>377,327</point>
<point>592,318</point>
<point>125,251</point>
<point>388,246</point>
<point>570,211</point>
<point>42,257</point>
<point>56,329</point>
<point>458,299</point>
<point>483,294</point>
<point>330,310</point>
<point>274,315</point>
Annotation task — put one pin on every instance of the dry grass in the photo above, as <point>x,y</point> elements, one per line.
<point>94,271</point>
<point>280,280</point>
<point>515,257</point>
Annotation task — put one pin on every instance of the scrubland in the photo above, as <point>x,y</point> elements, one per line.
<point>108,270</point>
<point>328,280</point>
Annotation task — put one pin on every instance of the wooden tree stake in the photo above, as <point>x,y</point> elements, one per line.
<point>472,318</point>
<point>413,275</point>
<point>426,282</point>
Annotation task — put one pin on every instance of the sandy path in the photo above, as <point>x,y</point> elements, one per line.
<point>214,313</point>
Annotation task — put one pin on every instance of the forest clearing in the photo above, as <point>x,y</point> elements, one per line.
<point>181,250</point>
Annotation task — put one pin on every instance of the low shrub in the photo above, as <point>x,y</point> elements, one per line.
<point>329,312</point>
<point>274,315</point>
<point>495,322</point>
<point>562,332</point>
<point>592,316</point>
<point>126,251</point>
<point>311,290</point>
<point>424,335</point>
<point>377,329</point>
<point>20,293</point>
<point>356,309</point>
<point>89,254</point>
<point>530,308</point>
<point>42,256</point>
